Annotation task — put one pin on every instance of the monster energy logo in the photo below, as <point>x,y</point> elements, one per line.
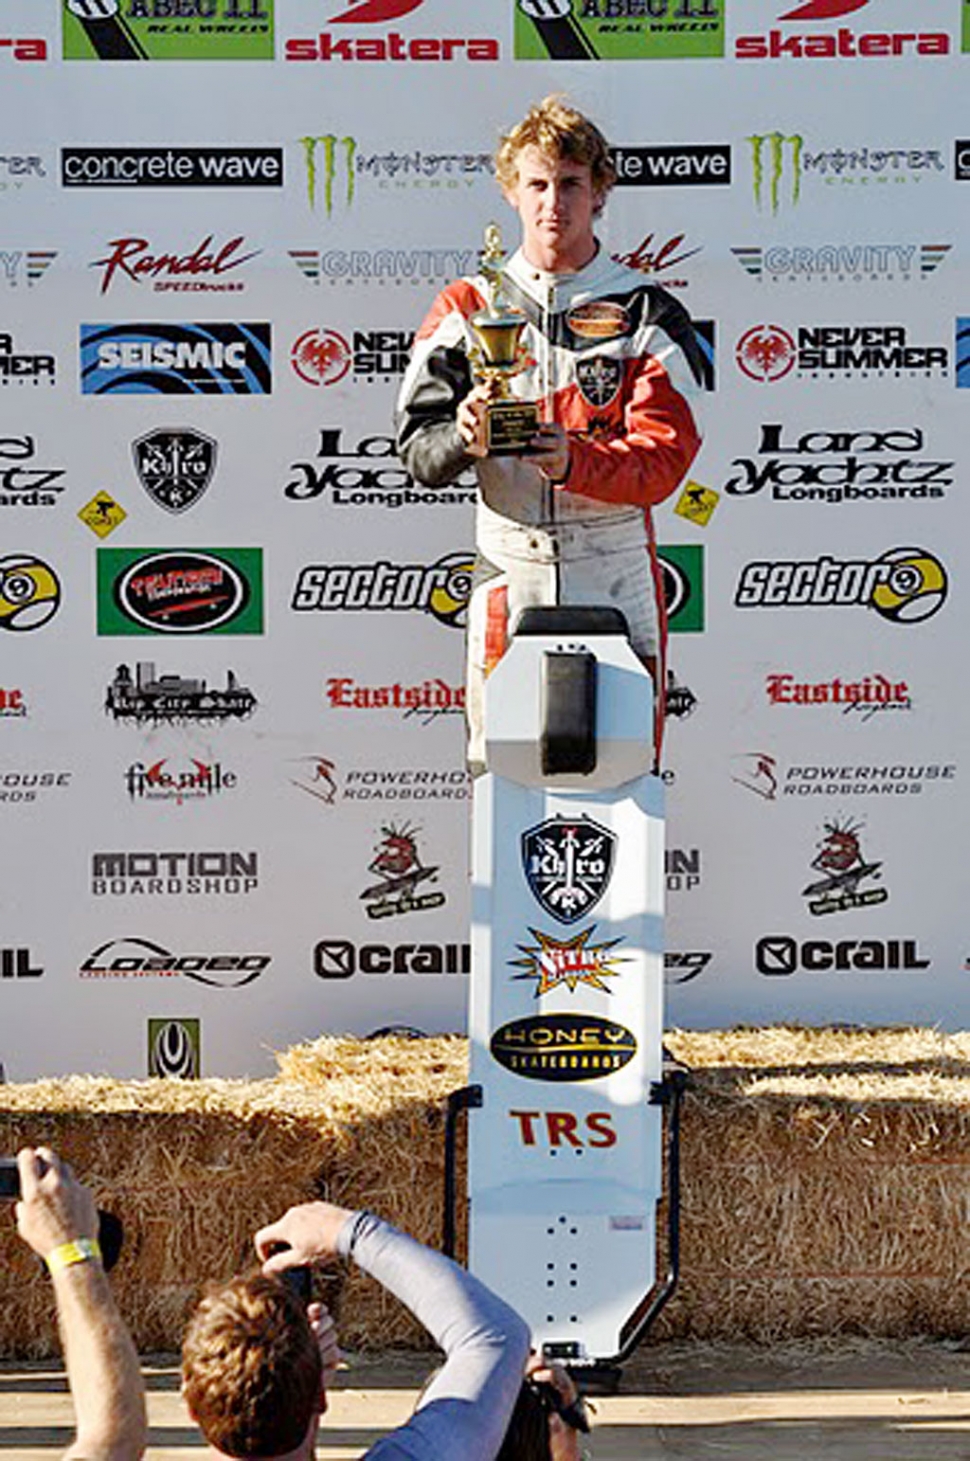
<point>768,153</point>
<point>328,150</point>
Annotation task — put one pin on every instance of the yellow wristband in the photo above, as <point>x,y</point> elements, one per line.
<point>80,1251</point>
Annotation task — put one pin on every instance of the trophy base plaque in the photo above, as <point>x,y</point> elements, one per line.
<point>510,427</point>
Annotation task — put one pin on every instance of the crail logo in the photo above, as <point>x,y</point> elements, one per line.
<point>175,467</point>
<point>842,263</point>
<point>568,864</point>
<point>334,164</point>
<point>139,958</point>
<point>903,585</point>
<point>425,702</point>
<point>844,43</point>
<point>338,958</point>
<point>20,367</point>
<point>840,466</point>
<point>203,268</point>
<point>781,163</point>
<point>552,962</point>
<point>441,589</point>
<point>839,858</point>
<point>16,964</point>
<point>22,486</point>
<point>400,872</point>
<point>151,699</point>
<point>21,268</point>
<point>323,357</point>
<point>156,784</point>
<point>152,874</point>
<point>778,954</point>
<point>368,475</point>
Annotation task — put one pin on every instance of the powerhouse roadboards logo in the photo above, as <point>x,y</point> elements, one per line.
<point>217,359</point>
<point>840,860</point>
<point>618,30</point>
<point>180,591</point>
<point>368,474</point>
<point>853,263</point>
<point>173,874</point>
<point>149,699</point>
<point>24,268</point>
<point>784,166</point>
<point>334,165</point>
<point>27,486</point>
<point>171,167</point>
<point>30,786</point>
<point>903,585</point>
<point>175,1049</point>
<point>766,353</point>
<point>441,589</point>
<point>323,357</point>
<point>380,267</point>
<point>423,702</point>
<point>19,367</point>
<point>202,269</point>
<point>30,593</point>
<point>385,45</point>
<point>139,958</point>
<point>401,875</point>
<point>319,777</point>
<point>805,35</point>
<point>836,466</point>
<point>760,772</point>
<point>168,30</point>
<point>175,466</point>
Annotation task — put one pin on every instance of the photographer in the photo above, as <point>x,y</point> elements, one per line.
<point>57,1216</point>
<point>548,1417</point>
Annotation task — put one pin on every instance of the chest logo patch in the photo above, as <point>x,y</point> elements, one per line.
<point>599,379</point>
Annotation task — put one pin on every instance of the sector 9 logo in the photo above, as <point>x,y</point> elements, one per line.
<point>30,593</point>
<point>448,600</point>
<point>915,588</point>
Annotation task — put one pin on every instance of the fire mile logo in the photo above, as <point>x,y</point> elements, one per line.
<point>400,872</point>
<point>219,359</point>
<point>168,30</point>
<point>568,865</point>
<point>782,163</point>
<point>175,467</point>
<point>839,858</point>
<point>904,585</point>
<point>196,782</point>
<point>552,962</point>
<point>441,589</point>
<point>151,699</point>
<point>842,43</point>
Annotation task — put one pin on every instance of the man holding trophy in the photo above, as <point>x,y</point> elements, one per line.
<point>566,379</point>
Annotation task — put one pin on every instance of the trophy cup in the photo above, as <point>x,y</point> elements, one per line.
<point>498,355</point>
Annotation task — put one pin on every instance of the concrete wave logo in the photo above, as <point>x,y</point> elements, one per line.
<point>30,592</point>
<point>915,589</point>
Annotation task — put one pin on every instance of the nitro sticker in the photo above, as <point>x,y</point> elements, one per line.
<point>552,962</point>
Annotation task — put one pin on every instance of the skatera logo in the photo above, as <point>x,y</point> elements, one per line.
<point>440,589</point>
<point>23,49</point>
<point>176,359</point>
<point>782,165</point>
<point>843,43</point>
<point>391,46</point>
<point>904,585</point>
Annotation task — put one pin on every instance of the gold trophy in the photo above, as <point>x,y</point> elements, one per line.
<point>497,355</point>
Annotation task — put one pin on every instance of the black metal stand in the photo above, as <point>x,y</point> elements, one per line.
<point>464,1099</point>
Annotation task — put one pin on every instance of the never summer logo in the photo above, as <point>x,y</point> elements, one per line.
<point>440,589</point>
<point>839,858</point>
<point>170,359</point>
<point>30,593</point>
<point>23,48</point>
<point>862,699</point>
<point>552,962</point>
<point>563,1047</point>
<point>26,786</point>
<point>400,873</point>
<point>156,874</point>
<point>319,777</point>
<point>904,585</point>
<point>23,486</point>
<point>844,43</point>
<point>618,30</point>
<point>855,263</point>
<point>168,30</point>
<point>13,706</point>
<point>334,165</point>
<point>202,268</point>
<point>682,572</point>
<point>23,268</point>
<point>368,475</point>
<point>840,466</point>
<point>175,1049</point>
<point>172,167</point>
<point>323,357</point>
<point>139,958</point>
<point>383,266</point>
<point>568,864</point>
<point>180,591</point>
<point>768,353</point>
<point>759,772</point>
<point>338,958</point>
<point>684,166</point>
<point>779,954</point>
<point>196,781</point>
<point>424,702</point>
<point>152,699</point>
<point>781,163</point>
<point>16,168</point>
<point>20,367</point>
<point>175,467</point>
<point>389,46</point>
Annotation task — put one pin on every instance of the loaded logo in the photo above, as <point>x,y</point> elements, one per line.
<point>854,263</point>
<point>13,706</point>
<point>17,964</point>
<point>844,43</point>
<point>781,163</point>
<point>400,872</point>
<point>383,266</point>
<point>682,869</point>
<point>618,30</point>
<point>553,1129</point>
<point>563,1048</point>
<point>201,269</point>
<point>392,46</point>
<point>424,702</point>
<point>778,954</point>
<point>20,367</point>
<point>155,874</point>
<point>340,959</point>
<point>172,167</point>
<point>30,593</point>
<point>768,352</point>
<point>324,357</point>
<point>682,571</point>
<point>963,353</point>
<point>684,967</point>
<point>863,698</point>
<point>180,591</point>
<point>175,467</point>
<point>170,359</point>
<point>319,777</point>
<point>23,786</point>
<point>839,858</point>
<point>840,466</point>
<point>23,49</point>
<point>568,864</point>
<point>685,166</point>
<point>368,475</point>
<point>23,268</point>
<point>903,585</point>
<point>552,962</point>
<point>22,486</point>
<point>168,30</point>
<point>195,782</point>
<point>139,958</point>
<point>149,699</point>
<point>334,164</point>
<point>175,1049</point>
<point>440,589</point>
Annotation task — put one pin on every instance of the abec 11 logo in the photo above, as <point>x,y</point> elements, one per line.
<point>840,466</point>
<point>843,43</point>
<point>338,958</point>
<point>368,475</point>
<point>779,955</point>
<point>168,30</point>
<point>175,1049</point>
<point>441,589</point>
<point>180,591</point>
<point>618,30</point>
<point>176,359</point>
<point>139,958</point>
<point>30,593</point>
<point>903,585</point>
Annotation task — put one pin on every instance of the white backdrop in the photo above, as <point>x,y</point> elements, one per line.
<point>184,893</point>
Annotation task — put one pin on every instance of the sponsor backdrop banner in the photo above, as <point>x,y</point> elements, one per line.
<point>232,791</point>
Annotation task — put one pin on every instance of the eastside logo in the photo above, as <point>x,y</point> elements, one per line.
<point>424,702</point>
<point>368,474</point>
<point>618,30</point>
<point>781,163</point>
<point>903,585</point>
<point>176,359</point>
<point>844,43</point>
<point>864,698</point>
<point>441,589</point>
<point>180,591</point>
<point>840,466</point>
<point>168,30</point>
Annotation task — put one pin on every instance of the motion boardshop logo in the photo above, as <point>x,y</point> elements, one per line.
<point>139,958</point>
<point>804,37</point>
<point>779,954</point>
<point>768,352</point>
<point>147,699</point>
<point>168,30</point>
<point>20,367</point>
<point>173,874</point>
<point>783,167</point>
<point>368,474</point>
<point>338,958</point>
<point>618,30</point>
<point>180,591</point>
<point>27,486</point>
<point>904,585</point>
<point>334,166</point>
<point>175,1049</point>
<point>840,466</point>
<point>440,589</point>
<point>855,263</point>
<point>219,359</point>
<point>172,167</point>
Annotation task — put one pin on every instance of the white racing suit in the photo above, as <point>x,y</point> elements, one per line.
<point>615,361</point>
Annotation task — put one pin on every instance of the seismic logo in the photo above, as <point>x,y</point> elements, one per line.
<point>854,263</point>
<point>368,475</point>
<point>334,164</point>
<point>840,466</point>
<point>618,30</point>
<point>904,585</point>
<point>26,486</point>
<point>139,958</point>
<point>168,30</point>
<point>176,359</point>
<point>768,352</point>
<point>382,266</point>
<point>441,589</point>
<point>156,874</point>
<point>23,268</point>
<point>781,163</point>
<point>19,367</point>
<point>319,777</point>
<point>424,702</point>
